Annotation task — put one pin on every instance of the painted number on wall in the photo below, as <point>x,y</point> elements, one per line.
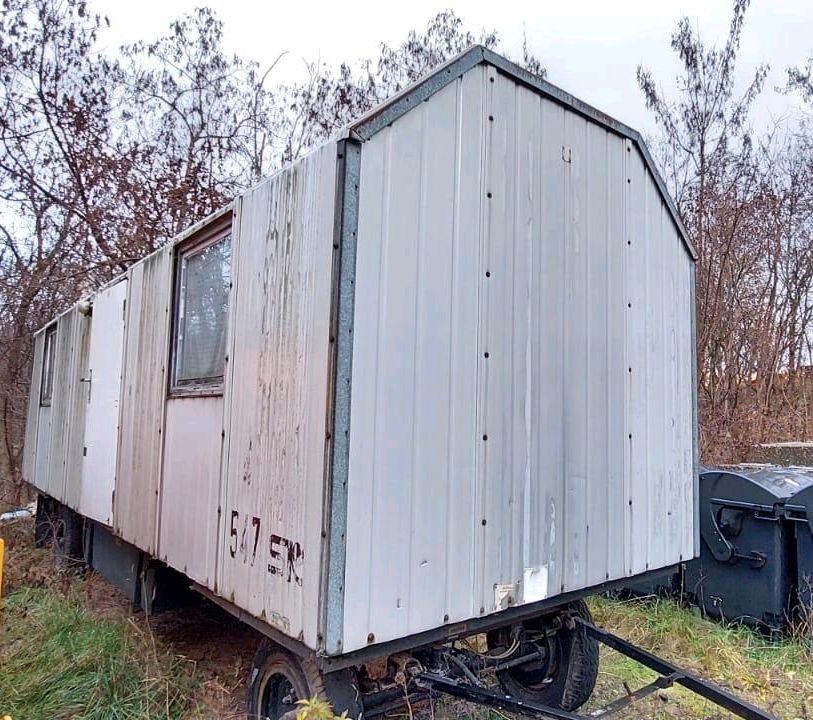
<point>285,556</point>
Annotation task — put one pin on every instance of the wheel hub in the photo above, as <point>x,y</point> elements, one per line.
<point>279,697</point>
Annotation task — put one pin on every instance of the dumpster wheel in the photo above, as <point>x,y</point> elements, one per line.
<point>566,674</point>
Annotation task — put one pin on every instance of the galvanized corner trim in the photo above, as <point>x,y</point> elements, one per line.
<point>347,217</point>
<point>379,118</point>
<point>695,417</point>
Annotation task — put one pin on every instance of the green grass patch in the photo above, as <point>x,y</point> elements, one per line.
<point>59,661</point>
<point>774,673</point>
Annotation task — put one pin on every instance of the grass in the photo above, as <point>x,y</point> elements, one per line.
<point>69,648</point>
<point>60,661</point>
<point>773,673</point>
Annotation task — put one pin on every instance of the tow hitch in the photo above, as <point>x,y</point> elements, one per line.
<point>466,685</point>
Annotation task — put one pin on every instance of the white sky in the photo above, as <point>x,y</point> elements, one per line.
<point>591,48</point>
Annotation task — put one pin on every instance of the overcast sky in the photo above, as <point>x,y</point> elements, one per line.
<point>591,48</point>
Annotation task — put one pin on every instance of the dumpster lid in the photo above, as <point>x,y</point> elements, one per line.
<point>755,483</point>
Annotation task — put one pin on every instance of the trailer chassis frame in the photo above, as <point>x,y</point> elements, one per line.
<point>466,687</point>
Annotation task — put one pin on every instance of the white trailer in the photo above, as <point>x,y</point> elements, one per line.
<point>434,379</point>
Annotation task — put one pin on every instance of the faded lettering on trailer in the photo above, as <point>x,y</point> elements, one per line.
<point>285,556</point>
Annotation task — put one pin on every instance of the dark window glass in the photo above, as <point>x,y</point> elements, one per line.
<point>203,301</point>
<point>48,356</point>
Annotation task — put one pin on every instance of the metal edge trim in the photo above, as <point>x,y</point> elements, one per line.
<point>474,626</point>
<point>347,200</point>
<point>296,647</point>
<point>389,111</point>
<point>695,418</point>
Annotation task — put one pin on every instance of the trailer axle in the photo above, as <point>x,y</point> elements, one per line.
<point>668,675</point>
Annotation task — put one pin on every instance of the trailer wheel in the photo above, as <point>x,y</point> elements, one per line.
<point>45,520</point>
<point>68,538</point>
<point>278,679</point>
<point>565,678</point>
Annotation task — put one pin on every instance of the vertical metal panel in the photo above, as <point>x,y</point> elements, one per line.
<point>340,368</point>
<point>43,449</point>
<point>191,485</point>
<point>143,395</point>
<point>269,557</point>
<point>58,429</point>
<point>521,310</point>
<point>60,406</point>
<point>77,402</point>
<point>32,417</point>
<point>102,416</point>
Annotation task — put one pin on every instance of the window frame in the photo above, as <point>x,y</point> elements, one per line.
<point>48,371</point>
<point>217,231</point>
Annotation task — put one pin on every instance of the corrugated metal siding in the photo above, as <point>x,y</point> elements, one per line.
<point>30,455</point>
<point>73,411</point>
<point>103,412</point>
<point>60,405</point>
<point>54,463</point>
<point>191,485</point>
<point>521,397</point>
<point>144,384</point>
<point>276,395</point>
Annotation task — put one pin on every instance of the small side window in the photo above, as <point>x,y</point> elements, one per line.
<point>48,355</point>
<point>202,302</point>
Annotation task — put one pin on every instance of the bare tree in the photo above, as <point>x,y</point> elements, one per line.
<point>746,205</point>
<point>105,157</point>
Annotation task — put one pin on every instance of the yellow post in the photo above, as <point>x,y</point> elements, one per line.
<point>2,559</point>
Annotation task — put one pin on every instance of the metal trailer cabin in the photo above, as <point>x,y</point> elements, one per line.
<point>435,377</point>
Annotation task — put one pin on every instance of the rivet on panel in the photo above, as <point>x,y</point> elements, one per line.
<point>488,195</point>
<point>628,181</point>
<point>630,436</point>
<point>485,355</point>
<point>488,273</point>
<point>491,118</point>
<point>485,437</point>
<point>482,609</point>
<point>445,618</point>
<point>483,522</point>
<point>370,638</point>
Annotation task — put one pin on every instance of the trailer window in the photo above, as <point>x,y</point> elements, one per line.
<point>203,282</point>
<point>48,354</point>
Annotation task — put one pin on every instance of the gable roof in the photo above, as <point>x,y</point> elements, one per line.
<point>390,110</point>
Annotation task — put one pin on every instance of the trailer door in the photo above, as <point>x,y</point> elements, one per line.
<point>104,391</point>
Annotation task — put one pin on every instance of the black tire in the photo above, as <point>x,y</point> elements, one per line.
<point>69,550</point>
<point>278,679</point>
<point>567,676</point>
<point>44,521</point>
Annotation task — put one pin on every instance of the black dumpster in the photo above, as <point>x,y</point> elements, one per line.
<point>799,511</point>
<point>747,565</point>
